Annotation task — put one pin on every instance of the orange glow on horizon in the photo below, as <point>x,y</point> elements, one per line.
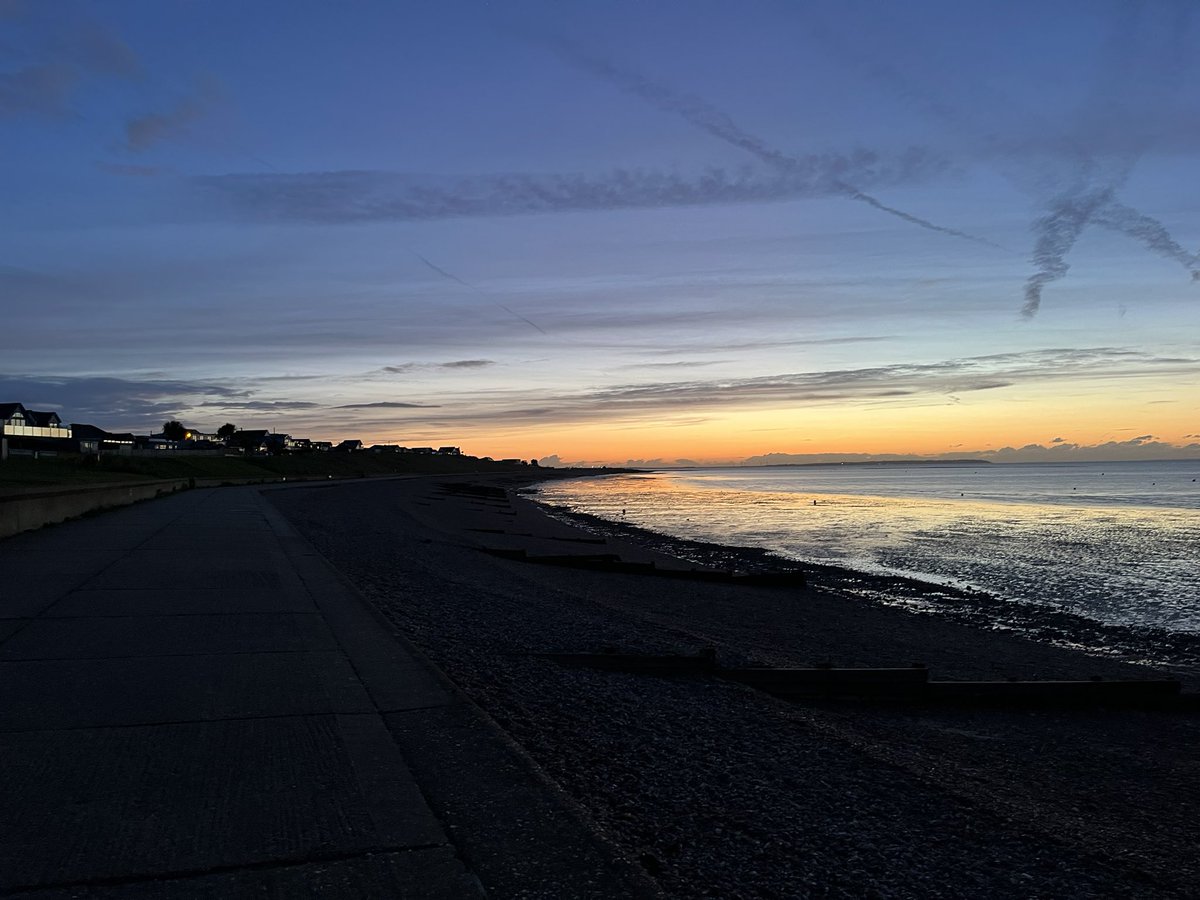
<point>930,430</point>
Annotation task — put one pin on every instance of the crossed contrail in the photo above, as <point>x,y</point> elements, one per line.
<point>708,118</point>
<point>1096,203</point>
<point>1092,203</point>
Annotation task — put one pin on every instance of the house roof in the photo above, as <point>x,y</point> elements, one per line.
<point>7,409</point>
<point>85,432</point>
<point>43,418</point>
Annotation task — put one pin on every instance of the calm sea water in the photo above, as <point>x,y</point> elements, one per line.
<point>1117,543</point>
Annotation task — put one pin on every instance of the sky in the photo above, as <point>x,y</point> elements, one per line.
<point>610,232</point>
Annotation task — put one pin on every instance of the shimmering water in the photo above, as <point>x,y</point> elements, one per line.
<point>1118,543</point>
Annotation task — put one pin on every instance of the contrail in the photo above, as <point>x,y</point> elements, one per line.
<point>366,196</point>
<point>1094,203</point>
<point>472,287</point>
<point>712,120</point>
<point>1057,233</point>
<point>1116,216</point>
<point>855,194</point>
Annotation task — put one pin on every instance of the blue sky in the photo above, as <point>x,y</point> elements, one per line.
<point>609,231</point>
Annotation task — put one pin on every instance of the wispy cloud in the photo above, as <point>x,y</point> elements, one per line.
<point>402,368</point>
<point>75,51</point>
<point>259,405</point>
<point>43,89</point>
<point>938,383</point>
<point>144,131</point>
<point>736,346</point>
<point>100,50</point>
<point>127,170</point>
<point>117,402</point>
<point>678,364</point>
<point>387,404</point>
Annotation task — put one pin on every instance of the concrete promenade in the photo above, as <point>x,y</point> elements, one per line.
<point>194,704</point>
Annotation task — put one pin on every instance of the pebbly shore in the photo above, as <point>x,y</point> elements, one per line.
<point>718,790</point>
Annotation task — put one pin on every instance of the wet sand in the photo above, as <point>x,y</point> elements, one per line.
<point>719,790</point>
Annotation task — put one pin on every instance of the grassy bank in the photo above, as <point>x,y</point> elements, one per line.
<point>24,472</point>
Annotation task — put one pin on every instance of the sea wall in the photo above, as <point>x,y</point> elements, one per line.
<point>28,510</point>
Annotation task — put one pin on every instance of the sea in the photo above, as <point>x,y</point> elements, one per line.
<point>1115,543</point>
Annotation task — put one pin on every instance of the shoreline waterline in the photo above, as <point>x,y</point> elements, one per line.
<point>994,564</point>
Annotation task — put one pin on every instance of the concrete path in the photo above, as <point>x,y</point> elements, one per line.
<point>193,704</point>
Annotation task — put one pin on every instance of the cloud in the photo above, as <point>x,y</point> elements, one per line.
<point>950,377</point>
<point>1078,161</point>
<point>345,197</point>
<point>131,171</point>
<point>143,132</point>
<point>45,86</point>
<point>43,89</point>
<point>1133,449</point>
<point>1057,232</point>
<point>1057,440</point>
<point>733,346</point>
<point>100,50</point>
<point>715,122</point>
<point>678,364</point>
<point>1070,214</point>
<point>1149,231</point>
<point>553,460</point>
<point>260,405</point>
<point>115,402</point>
<point>1101,452</point>
<point>658,402</point>
<point>388,404</point>
<point>403,368</point>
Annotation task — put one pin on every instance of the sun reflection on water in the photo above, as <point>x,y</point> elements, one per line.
<point>1131,564</point>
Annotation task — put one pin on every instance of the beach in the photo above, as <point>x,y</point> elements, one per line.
<point>715,789</point>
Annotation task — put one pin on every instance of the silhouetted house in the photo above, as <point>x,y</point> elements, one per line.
<point>161,443</point>
<point>92,441</point>
<point>278,443</point>
<point>386,448</point>
<point>31,431</point>
<point>45,420</point>
<point>17,421</point>
<point>321,446</point>
<point>349,446</point>
<point>449,451</point>
<point>422,451</point>
<point>513,462</point>
<point>250,441</point>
